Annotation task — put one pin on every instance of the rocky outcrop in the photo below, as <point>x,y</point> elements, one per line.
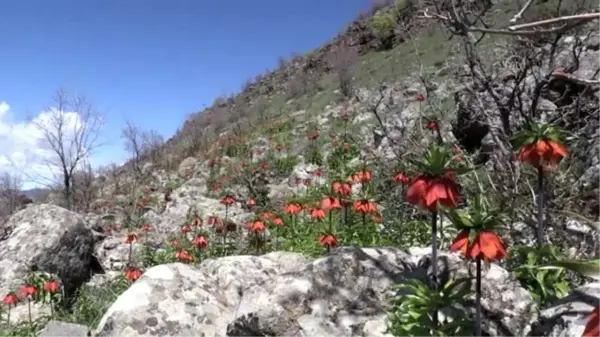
<point>63,329</point>
<point>283,294</point>
<point>51,239</point>
<point>568,316</point>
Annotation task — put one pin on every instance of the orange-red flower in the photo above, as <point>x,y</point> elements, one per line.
<point>196,221</point>
<point>487,245</point>
<point>146,228</point>
<point>365,207</point>
<point>183,256</point>
<point>292,208</point>
<point>228,200</point>
<point>400,177</point>
<point>330,203</point>
<point>28,290</point>
<point>328,240</point>
<point>266,215</point>
<point>200,242</point>
<point>343,189</point>
<point>186,229</point>
<point>213,220</point>
<point>257,226</point>
<point>277,221</point>
<point>420,98</point>
<point>131,237</point>
<point>251,202</point>
<point>10,299</point>
<point>317,213</point>
<point>133,274</point>
<point>363,176</point>
<point>427,192</point>
<point>51,286</point>
<point>592,328</point>
<point>543,153</point>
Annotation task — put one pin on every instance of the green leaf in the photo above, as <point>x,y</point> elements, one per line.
<point>588,268</point>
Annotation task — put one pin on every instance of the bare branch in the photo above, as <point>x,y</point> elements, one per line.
<point>519,15</point>
<point>571,78</point>
<point>581,18</point>
<point>132,137</point>
<point>70,131</point>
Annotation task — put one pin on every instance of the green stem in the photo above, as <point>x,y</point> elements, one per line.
<point>478,299</point>
<point>540,208</point>
<point>29,312</point>
<point>434,317</point>
<point>330,229</point>
<point>364,222</point>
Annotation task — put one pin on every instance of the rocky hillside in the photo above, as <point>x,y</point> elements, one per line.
<point>343,193</point>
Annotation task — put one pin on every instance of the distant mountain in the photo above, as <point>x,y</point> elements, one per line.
<point>36,193</point>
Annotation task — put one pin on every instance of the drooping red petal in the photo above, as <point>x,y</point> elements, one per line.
<point>417,191</point>
<point>559,149</point>
<point>461,243</point>
<point>592,328</point>
<point>488,246</point>
<point>437,191</point>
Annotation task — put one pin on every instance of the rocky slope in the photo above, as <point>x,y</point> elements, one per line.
<point>291,285</point>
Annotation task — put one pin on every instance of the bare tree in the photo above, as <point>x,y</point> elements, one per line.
<point>152,145</point>
<point>85,190</point>
<point>193,133</point>
<point>134,142</point>
<point>111,172</point>
<point>70,130</point>
<point>342,60</point>
<point>10,193</point>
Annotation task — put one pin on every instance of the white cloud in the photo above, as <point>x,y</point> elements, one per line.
<point>22,144</point>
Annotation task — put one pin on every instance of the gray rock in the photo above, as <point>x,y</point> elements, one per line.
<point>180,300</point>
<point>281,294</point>
<point>62,329</point>
<point>568,316</point>
<point>187,167</point>
<point>51,239</point>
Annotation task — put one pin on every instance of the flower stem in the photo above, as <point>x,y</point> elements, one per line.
<point>540,208</point>
<point>364,222</point>
<point>29,312</point>
<point>329,227</point>
<point>478,299</point>
<point>257,244</point>
<point>130,253</point>
<point>434,317</point>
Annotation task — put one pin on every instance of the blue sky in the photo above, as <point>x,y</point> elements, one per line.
<point>150,61</point>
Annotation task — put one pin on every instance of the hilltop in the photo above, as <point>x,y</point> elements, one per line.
<point>294,206</point>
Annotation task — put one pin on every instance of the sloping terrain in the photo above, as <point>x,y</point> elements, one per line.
<point>235,224</point>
